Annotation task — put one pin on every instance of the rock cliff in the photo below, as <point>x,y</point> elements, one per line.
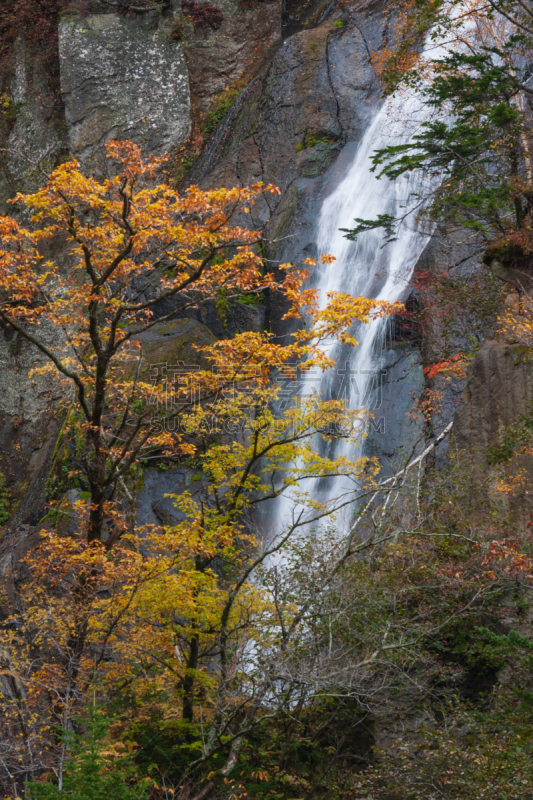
<point>305,101</point>
<point>122,78</point>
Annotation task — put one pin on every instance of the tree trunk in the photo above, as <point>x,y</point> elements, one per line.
<point>189,681</point>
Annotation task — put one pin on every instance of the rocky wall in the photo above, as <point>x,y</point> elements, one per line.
<point>220,58</point>
<point>37,138</point>
<point>122,78</point>
<point>296,124</point>
<point>498,392</point>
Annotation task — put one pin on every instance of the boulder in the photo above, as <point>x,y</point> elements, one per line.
<point>172,343</point>
<point>122,78</point>
<point>154,507</point>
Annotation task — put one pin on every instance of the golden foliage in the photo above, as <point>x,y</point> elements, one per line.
<point>171,608</point>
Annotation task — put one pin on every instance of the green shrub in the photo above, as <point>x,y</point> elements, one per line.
<point>469,755</point>
<point>92,772</point>
<point>252,299</point>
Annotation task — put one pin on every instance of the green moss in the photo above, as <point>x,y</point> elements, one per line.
<point>222,306</point>
<point>312,140</point>
<point>8,111</point>
<point>187,162</point>
<point>222,106</point>
<point>56,484</point>
<point>5,500</point>
<point>70,443</point>
<point>339,23</point>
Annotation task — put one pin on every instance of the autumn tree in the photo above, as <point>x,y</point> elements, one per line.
<point>176,603</point>
<point>133,246</point>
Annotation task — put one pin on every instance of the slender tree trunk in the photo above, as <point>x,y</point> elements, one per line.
<point>96,516</point>
<point>524,139</point>
<point>97,480</point>
<point>189,680</point>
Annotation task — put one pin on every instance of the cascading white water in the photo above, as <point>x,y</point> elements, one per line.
<point>367,267</point>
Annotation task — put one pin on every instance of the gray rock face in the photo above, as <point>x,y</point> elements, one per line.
<point>125,79</point>
<point>319,84</point>
<point>318,94</point>
<point>30,418</point>
<point>153,507</point>
<point>396,432</point>
<point>38,135</point>
<point>499,390</point>
<point>217,59</point>
<point>298,126</point>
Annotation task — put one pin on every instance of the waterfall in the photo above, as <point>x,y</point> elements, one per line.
<point>364,268</point>
<point>367,267</point>
<point>370,267</point>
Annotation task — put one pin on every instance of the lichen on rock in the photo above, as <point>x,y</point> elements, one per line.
<point>122,78</point>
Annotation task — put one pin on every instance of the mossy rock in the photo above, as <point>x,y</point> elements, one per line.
<point>175,343</point>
